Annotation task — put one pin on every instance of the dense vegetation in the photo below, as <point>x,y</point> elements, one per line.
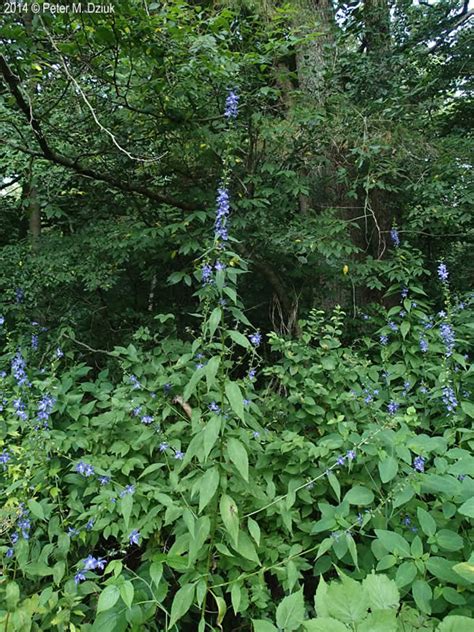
<point>236,263</point>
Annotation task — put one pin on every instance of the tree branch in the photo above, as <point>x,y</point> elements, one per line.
<point>50,154</point>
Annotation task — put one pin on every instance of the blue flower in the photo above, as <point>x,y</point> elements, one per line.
<point>393,326</point>
<point>447,335</point>
<point>443,272</point>
<point>9,552</point>
<point>90,563</point>
<point>419,464</point>
<point>59,353</point>
<point>256,339</point>
<point>134,537</point>
<point>392,407</point>
<point>252,373</point>
<point>213,407</point>
<point>104,480</point>
<point>341,460</point>
<point>72,532</point>
<point>404,292</point>
<point>423,345</point>
<point>19,369</point>
<point>34,342</point>
<point>147,419</point>
<point>86,469</point>
<point>255,434</point>
<point>178,455</point>
<point>407,521</point>
<point>2,321</point>
<point>5,457</point>
<point>134,382</point>
<point>163,446</point>
<point>129,489</point>
<point>90,524</point>
<point>167,387</point>
<point>206,274</point>
<point>219,266</point>
<point>449,399</point>
<point>351,455</point>
<point>79,577</point>
<point>222,213</point>
<point>136,411</point>
<point>383,339</point>
<point>231,105</point>
<point>395,237</point>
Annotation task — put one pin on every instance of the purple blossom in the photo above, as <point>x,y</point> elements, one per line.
<point>395,237</point>
<point>104,480</point>
<point>222,213</point>
<point>404,293</point>
<point>407,521</point>
<point>246,402</point>
<point>206,274</point>
<point>45,407</point>
<point>351,455</point>
<point>34,342</point>
<point>163,446</point>
<point>443,272</point>
<point>72,532</point>
<point>9,552</point>
<point>423,345</point>
<point>213,407</point>
<point>199,365</point>
<point>252,373</point>
<point>2,321</point>
<point>136,411</point>
<point>178,455</point>
<point>59,353</point>
<point>231,105</point>
<point>383,339</point>
<point>90,524</point>
<point>14,538</point>
<point>419,464</point>
<point>167,388</point>
<point>393,326</point>
<point>134,382</point>
<point>449,399</point>
<point>147,419</point>
<point>447,335</point>
<point>4,457</point>
<point>392,407</point>
<point>256,339</point>
<point>20,409</point>
<point>134,537</point>
<point>220,266</point>
<point>86,469</point>
<point>19,369</point>
<point>403,313</point>
<point>129,489</point>
<point>255,434</point>
<point>341,460</point>
<point>91,563</point>
<point>79,577</point>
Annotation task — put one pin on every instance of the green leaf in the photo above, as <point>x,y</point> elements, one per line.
<point>465,570</point>
<point>320,599</point>
<point>238,455</point>
<point>126,504</point>
<point>108,598</point>
<point>382,592</point>
<point>380,621</point>
<point>467,508</point>
<point>211,434</point>
<point>193,382</point>
<point>290,612</point>
<point>208,487</point>
<point>236,401</point>
<point>246,548</point>
<point>235,596</point>
<point>240,339</point>
<point>230,517</point>
<point>456,623</point>
<point>359,495</point>
<point>422,595</point>
<point>210,370</point>
<point>405,574</point>
<point>324,624</point>
<point>156,572</point>
<point>261,625</point>
<point>333,481</point>
<point>12,596</point>
<point>109,621</point>
<point>254,530</point>
<point>347,601</point>
<point>468,408</point>
<point>405,328</point>
<point>214,320</point>
<point>393,542</point>
<point>36,509</point>
<point>449,540</point>
<point>182,602</point>
<point>388,469</point>
<point>127,592</point>
<point>427,522</point>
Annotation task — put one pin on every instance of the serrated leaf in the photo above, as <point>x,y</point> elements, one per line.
<point>182,602</point>
<point>208,487</point>
<point>320,599</point>
<point>467,508</point>
<point>382,592</point>
<point>393,542</point>
<point>380,621</point>
<point>238,455</point>
<point>290,612</point>
<point>260,625</point>
<point>324,624</point>
<point>108,598</point>
<point>427,523</point>
<point>456,623</point>
<point>347,601</point>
